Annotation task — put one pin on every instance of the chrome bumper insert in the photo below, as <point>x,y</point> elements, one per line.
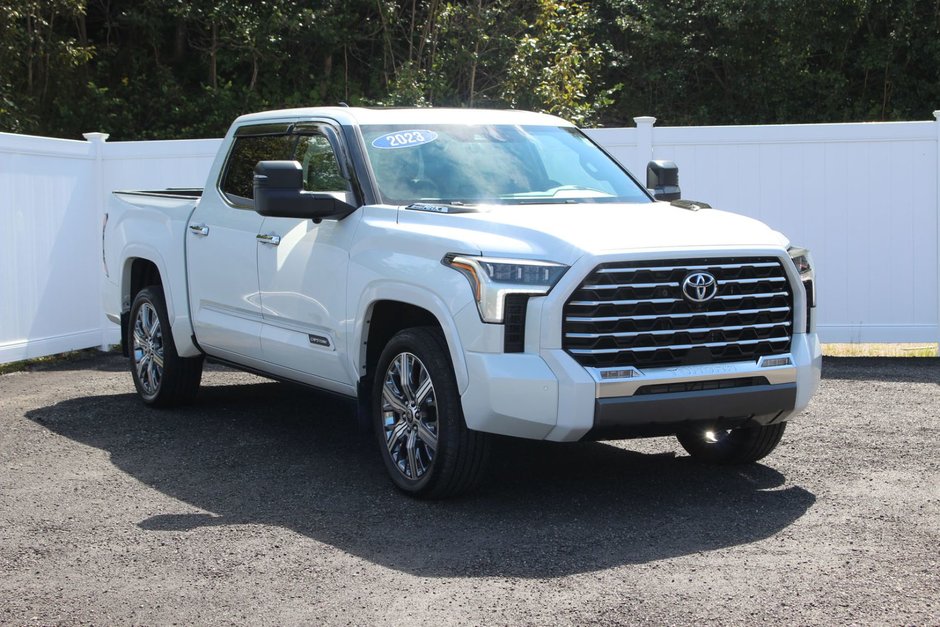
<point>620,381</point>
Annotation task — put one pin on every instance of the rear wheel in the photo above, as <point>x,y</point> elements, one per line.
<point>732,446</point>
<point>427,448</point>
<point>161,376</point>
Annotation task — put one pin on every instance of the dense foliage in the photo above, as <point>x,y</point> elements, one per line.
<point>186,68</point>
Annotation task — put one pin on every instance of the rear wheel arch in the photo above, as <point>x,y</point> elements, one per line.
<point>139,273</point>
<point>161,376</point>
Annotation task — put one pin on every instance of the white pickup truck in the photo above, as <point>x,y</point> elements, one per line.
<point>465,273</point>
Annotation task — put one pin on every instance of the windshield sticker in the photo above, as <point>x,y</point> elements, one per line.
<point>404,139</point>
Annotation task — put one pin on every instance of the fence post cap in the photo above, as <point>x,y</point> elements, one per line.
<point>645,120</point>
<point>96,137</point>
<point>936,114</point>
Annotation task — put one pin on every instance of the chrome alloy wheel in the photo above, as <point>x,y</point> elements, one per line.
<point>409,416</point>
<point>148,349</point>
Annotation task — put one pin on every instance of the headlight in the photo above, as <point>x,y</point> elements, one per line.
<point>492,279</point>
<point>804,265</point>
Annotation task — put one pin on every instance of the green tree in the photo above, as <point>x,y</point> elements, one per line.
<point>558,61</point>
<point>37,62</point>
<point>745,61</point>
<point>185,68</point>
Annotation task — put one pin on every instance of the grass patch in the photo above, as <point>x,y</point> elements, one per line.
<point>29,364</point>
<point>880,350</point>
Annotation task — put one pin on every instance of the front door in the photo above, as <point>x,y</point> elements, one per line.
<point>302,270</point>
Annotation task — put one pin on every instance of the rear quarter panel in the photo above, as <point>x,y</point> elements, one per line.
<point>153,228</point>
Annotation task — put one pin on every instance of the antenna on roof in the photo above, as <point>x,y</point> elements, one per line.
<point>343,104</point>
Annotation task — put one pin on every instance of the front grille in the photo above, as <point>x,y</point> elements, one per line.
<point>634,314</point>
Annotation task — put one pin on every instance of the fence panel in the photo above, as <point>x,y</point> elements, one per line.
<point>48,275</point>
<point>158,164</point>
<point>50,231</point>
<point>863,197</point>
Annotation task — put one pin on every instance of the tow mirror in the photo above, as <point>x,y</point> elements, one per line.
<point>662,179</point>
<point>279,193</point>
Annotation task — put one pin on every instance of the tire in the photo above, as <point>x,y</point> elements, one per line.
<point>161,376</point>
<point>423,439</point>
<point>732,446</point>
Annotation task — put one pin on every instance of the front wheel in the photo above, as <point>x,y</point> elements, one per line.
<point>427,448</point>
<point>732,446</point>
<point>161,376</point>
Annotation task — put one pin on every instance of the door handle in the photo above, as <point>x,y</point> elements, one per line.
<point>199,229</point>
<point>271,240</point>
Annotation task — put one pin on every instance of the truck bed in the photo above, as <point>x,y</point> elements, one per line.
<point>171,192</point>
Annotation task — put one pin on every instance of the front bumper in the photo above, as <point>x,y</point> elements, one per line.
<point>665,414</point>
<point>550,396</point>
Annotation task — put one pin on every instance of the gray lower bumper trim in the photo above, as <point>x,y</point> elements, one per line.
<point>683,407</point>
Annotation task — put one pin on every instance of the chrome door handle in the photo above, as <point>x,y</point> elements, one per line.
<point>199,229</point>
<point>272,240</point>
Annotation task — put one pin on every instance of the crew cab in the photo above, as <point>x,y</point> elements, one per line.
<point>463,273</point>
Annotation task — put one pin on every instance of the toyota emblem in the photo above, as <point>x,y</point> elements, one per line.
<point>699,287</point>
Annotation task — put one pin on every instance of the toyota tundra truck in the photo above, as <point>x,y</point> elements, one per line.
<point>462,273</point>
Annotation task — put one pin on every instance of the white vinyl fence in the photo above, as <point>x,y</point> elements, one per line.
<point>52,198</point>
<point>862,197</point>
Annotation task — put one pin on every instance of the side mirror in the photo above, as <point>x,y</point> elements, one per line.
<point>279,193</point>
<point>662,179</point>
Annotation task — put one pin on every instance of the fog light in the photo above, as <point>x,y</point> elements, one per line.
<point>627,373</point>
<point>775,361</point>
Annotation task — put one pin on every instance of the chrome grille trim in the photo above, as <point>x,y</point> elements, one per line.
<point>603,351</point>
<point>639,286</point>
<point>595,303</point>
<point>634,314</point>
<point>722,266</point>
<point>742,312</point>
<point>672,332</point>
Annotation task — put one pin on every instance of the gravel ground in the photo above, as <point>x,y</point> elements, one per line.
<point>261,504</point>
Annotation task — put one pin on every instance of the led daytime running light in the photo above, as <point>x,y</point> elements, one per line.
<point>492,279</point>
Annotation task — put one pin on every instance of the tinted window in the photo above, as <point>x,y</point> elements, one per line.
<point>245,155</point>
<point>321,169</point>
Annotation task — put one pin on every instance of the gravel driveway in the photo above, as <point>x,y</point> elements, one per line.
<point>261,504</point>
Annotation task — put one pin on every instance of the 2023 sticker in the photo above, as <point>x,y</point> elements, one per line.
<point>404,139</point>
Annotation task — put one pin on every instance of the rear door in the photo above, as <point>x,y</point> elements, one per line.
<point>222,249</point>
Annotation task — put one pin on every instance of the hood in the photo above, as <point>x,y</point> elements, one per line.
<point>565,232</point>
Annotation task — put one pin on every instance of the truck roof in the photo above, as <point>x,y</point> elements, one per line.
<point>390,115</point>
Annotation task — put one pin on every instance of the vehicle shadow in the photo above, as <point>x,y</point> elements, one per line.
<point>274,454</point>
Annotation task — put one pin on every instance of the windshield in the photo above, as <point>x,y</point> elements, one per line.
<point>504,164</point>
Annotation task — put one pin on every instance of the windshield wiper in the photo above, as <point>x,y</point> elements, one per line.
<point>547,201</point>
